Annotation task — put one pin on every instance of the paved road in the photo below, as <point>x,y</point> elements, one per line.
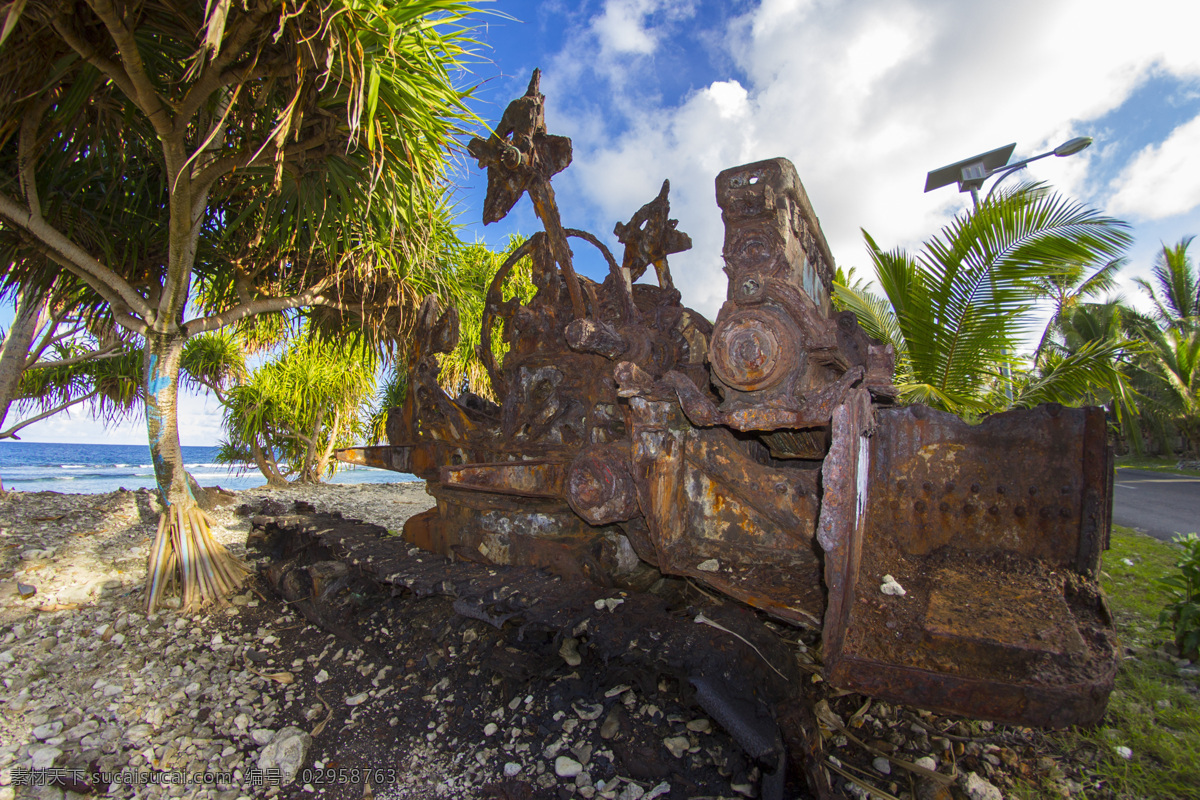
<point>1157,503</point>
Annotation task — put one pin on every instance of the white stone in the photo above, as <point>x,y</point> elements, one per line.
<point>43,757</point>
<point>892,587</point>
<point>287,751</point>
<point>928,762</point>
<point>512,769</point>
<point>567,767</point>
<point>490,729</point>
<point>262,736</point>
<point>356,700</point>
<point>882,765</point>
<point>711,565</point>
<point>321,676</point>
<point>1124,752</point>
<point>588,711</point>
<point>44,732</point>
<point>980,789</point>
<point>661,789</point>
<point>632,791</point>
<point>678,745</point>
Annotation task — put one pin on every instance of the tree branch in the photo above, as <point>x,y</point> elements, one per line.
<point>26,160</point>
<point>62,26</point>
<point>262,306</point>
<point>244,159</point>
<point>75,258</point>
<point>144,94</point>
<point>11,433</point>
<point>216,73</point>
<point>94,355</point>
<point>222,398</point>
<point>50,337</point>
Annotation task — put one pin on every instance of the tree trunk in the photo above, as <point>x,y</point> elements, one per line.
<point>160,369</point>
<point>327,453</point>
<point>15,351</point>
<point>267,466</point>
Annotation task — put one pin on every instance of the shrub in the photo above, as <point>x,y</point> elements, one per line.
<point>1184,614</point>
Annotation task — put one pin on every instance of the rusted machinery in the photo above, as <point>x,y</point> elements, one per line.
<point>761,456</point>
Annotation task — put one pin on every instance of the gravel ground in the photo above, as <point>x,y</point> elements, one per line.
<point>408,700</point>
<point>90,682</point>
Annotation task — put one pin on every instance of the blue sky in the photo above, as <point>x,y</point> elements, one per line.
<point>864,96</point>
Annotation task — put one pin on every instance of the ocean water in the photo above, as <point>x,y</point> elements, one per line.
<point>97,468</point>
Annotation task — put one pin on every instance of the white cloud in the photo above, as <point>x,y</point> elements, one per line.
<point>1162,180</point>
<point>865,97</point>
<point>620,28</point>
<point>199,425</point>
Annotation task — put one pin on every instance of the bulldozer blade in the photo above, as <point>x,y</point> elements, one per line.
<point>961,562</point>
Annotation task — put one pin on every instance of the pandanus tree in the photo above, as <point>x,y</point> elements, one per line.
<point>291,412</point>
<point>958,310</point>
<point>197,164</point>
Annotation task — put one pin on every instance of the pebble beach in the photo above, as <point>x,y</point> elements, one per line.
<point>92,683</point>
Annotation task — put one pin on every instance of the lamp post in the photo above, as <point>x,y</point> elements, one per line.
<point>971,173</point>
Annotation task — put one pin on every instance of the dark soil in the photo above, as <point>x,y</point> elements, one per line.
<point>995,616</point>
<point>436,679</point>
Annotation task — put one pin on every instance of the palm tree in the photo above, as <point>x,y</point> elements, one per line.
<point>1168,374</point>
<point>257,155</point>
<point>956,310</point>
<point>1070,287</point>
<point>1170,382</point>
<point>1084,357</point>
<point>1176,297</point>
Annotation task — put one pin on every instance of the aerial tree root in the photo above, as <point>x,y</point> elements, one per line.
<point>186,555</point>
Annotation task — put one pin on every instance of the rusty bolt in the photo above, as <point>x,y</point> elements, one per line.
<point>927,486</point>
<point>1019,511</point>
<point>950,486</point>
<point>975,488</point>
<point>1000,489</point>
<point>993,510</point>
<point>919,506</point>
<point>943,506</point>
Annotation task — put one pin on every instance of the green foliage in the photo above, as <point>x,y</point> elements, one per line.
<point>294,410</point>
<point>213,360</point>
<point>1153,711</point>
<point>390,395</point>
<point>109,386</point>
<point>957,310</point>
<point>1166,372</point>
<point>470,273</point>
<point>1175,289</point>
<point>1183,615</point>
<point>230,159</point>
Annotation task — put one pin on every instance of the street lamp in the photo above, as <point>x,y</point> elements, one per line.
<point>971,173</point>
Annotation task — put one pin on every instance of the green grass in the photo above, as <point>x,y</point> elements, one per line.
<point>1154,463</point>
<point>1164,736</point>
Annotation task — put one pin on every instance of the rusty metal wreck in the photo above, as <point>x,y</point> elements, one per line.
<point>761,455</point>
